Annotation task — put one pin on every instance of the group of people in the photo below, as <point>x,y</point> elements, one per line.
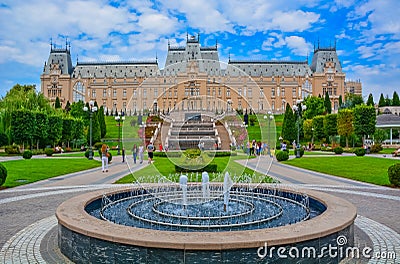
<point>137,153</point>
<point>254,148</point>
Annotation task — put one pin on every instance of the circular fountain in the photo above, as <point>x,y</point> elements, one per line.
<point>192,225</point>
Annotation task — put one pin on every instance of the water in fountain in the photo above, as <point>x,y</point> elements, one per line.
<point>247,206</point>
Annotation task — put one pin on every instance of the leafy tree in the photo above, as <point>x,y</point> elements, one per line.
<point>364,120</point>
<point>318,125</point>
<point>370,100</point>
<point>22,126</point>
<point>57,103</point>
<point>382,101</point>
<point>315,106</point>
<point>289,128</point>
<point>351,100</point>
<point>41,125</point>
<point>345,124</point>
<point>78,130</point>
<point>380,135</point>
<point>3,139</point>
<point>395,99</point>
<point>328,103</point>
<point>330,125</point>
<point>77,111</point>
<point>55,128</point>
<point>308,129</point>
<point>67,129</point>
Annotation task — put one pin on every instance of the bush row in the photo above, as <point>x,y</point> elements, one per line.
<point>212,167</point>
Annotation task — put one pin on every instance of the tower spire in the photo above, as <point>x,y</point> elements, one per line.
<point>51,44</point>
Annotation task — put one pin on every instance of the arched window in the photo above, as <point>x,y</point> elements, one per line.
<point>78,92</point>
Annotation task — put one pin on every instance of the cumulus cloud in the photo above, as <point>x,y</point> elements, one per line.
<point>298,45</point>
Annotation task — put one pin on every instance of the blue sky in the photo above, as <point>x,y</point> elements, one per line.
<point>366,33</point>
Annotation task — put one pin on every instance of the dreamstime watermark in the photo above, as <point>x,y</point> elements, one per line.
<point>341,250</point>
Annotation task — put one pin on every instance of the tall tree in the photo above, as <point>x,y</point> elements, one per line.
<point>78,131</point>
<point>340,101</point>
<point>315,106</point>
<point>67,107</point>
<point>318,126</point>
<point>370,100</point>
<point>40,127</point>
<point>22,126</point>
<point>345,124</point>
<point>364,121</point>
<point>327,103</point>
<point>57,104</point>
<point>102,122</point>
<point>388,102</point>
<point>289,128</point>
<point>55,129</point>
<point>395,99</point>
<point>330,125</point>
<point>308,129</point>
<point>382,101</point>
<point>67,129</point>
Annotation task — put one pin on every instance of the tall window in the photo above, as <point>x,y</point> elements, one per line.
<point>228,92</point>
<point>93,93</point>
<point>124,93</point>
<point>78,92</point>
<point>294,92</point>
<point>155,92</point>
<point>144,92</point>
<point>283,92</point>
<point>250,92</point>
<point>272,92</point>
<point>104,93</point>
<point>115,93</point>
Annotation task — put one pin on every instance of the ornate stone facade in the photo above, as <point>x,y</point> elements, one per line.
<point>193,78</point>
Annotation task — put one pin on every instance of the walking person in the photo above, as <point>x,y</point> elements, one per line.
<point>135,152</point>
<point>104,158</point>
<point>141,150</point>
<point>150,149</point>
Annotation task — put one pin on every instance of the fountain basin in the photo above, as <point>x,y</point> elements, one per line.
<point>84,238</point>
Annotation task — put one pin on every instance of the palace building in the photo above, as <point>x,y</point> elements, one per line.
<point>193,78</point>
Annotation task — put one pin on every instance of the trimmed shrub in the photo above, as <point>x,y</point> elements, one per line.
<point>27,154</point>
<point>376,148</point>
<point>338,150</point>
<point>212,167</point>
<point>192,153</point>
<point>282,155</point>
<point>3,139</point>
<point>12,149</point>
<point>3,174</point>
<point>49,152</point>
<point>359,152</point>
<point>393,173</point>
<point>221,154</point>
<point>162,154</point>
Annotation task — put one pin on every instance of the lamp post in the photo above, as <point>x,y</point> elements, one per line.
<point>91,110</point>
<point>298,108</point>
<point>270,117</point>
<point>119,118</point>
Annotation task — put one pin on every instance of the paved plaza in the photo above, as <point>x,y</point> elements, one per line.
<point>29,226</point>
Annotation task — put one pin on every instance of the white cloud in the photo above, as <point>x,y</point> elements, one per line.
<point>294,20</point>
<point>298,45</point>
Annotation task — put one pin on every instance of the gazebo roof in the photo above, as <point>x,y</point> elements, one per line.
<point>388,121</point>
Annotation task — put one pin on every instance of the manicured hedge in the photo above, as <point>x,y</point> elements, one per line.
<point>282,155</point>
<point>359,152</point>
<point>27,154</point>
<point>338,150</point>
<point>49,152</point>
<point>212,167</point>
<point>3,174</point>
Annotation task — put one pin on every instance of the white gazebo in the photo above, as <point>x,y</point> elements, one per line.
<point>388,121</point>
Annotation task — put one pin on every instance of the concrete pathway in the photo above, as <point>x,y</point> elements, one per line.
<point>29,227</point>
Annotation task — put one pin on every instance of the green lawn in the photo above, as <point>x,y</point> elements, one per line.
<point>163,166</point>
<point>20,172</point>
<point>127,130</point>
<point>364,169</point>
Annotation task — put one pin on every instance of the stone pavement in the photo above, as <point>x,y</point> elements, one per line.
<point>29,227</point>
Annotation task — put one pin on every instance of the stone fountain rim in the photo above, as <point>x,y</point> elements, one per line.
<point>339,214</point>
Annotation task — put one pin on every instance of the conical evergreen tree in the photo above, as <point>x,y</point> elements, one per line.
<point>370,100</point>
<point>381,101</point>
<point>289,128</point>
<point>395,99</point>
<point>57,104</point>
<point>327,103</point>
<point>340,101</point>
